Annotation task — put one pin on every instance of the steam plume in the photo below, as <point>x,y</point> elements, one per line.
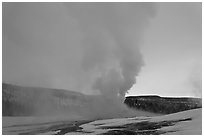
<point>117,59</point>
<point>87,47</point>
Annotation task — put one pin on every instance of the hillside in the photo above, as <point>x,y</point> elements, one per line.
<point>181,123</point>
<point>29,101</point>
<point>163,105</point>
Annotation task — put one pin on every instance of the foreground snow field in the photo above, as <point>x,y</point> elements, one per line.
<point>186,122</point>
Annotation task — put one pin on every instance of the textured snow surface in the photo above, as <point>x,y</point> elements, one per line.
<point>186,122</point>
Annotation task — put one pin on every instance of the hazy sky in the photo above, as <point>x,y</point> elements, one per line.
<point>102,47</point>
<point>172,51</point>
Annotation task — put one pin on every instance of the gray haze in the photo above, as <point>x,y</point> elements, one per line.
<point>87,47</point>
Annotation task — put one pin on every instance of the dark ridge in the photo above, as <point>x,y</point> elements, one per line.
<point>163,105</point>
<point>34,101</point>
<point>37,89</point>
<point>30,101</point>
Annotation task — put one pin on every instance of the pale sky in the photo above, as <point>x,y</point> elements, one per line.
<point>94,47</point>
<point>172,51</point>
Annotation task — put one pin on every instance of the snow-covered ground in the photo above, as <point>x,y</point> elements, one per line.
<point>20,125</point>
<point>187,122</point>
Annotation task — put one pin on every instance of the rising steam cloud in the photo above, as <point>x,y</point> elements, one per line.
<point>87,47</point>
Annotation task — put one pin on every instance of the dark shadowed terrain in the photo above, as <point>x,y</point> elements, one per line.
<point>163,105</point>
<point>26,101</point>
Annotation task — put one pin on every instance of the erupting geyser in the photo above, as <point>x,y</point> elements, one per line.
<point>87,47</point>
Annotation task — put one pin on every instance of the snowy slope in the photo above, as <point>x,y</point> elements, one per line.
<point>187,122</point>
